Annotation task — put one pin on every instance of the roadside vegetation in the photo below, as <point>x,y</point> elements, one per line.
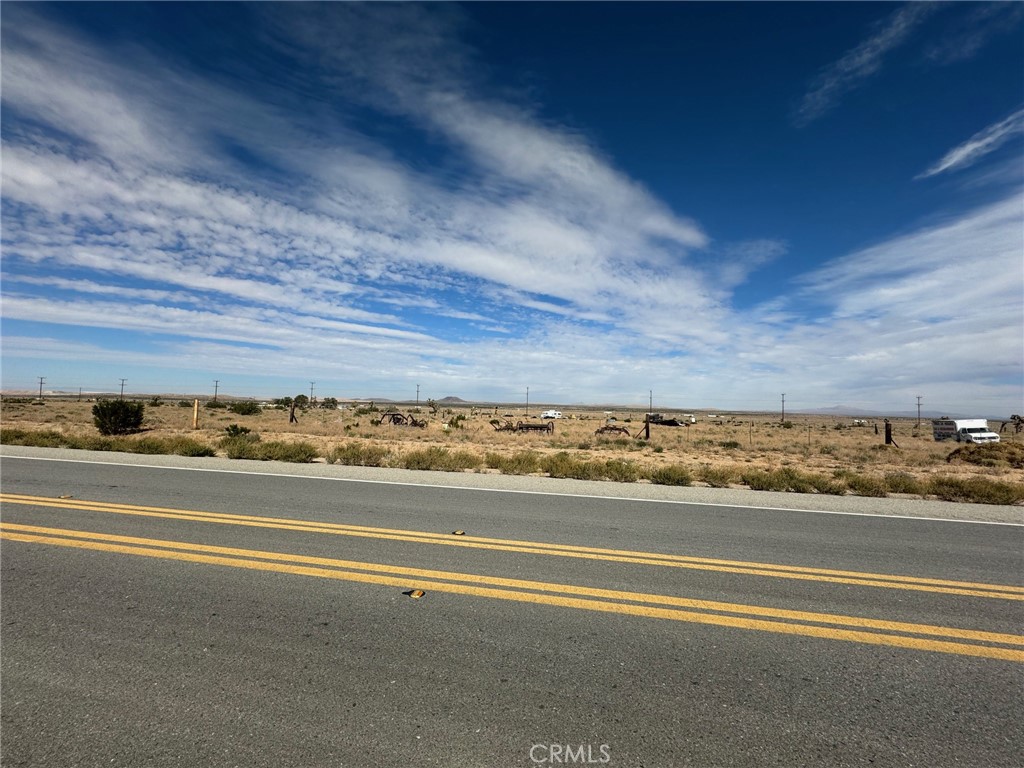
<point>822,456</point>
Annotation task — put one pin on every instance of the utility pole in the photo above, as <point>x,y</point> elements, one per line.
<point>216,385</point>
<point>122,388</point>
<point>311,392</point>
<point>783,407</point>
<point>41,380</point>
<point>919,411</point>
<point>527,401</point>
<point>417,396</point>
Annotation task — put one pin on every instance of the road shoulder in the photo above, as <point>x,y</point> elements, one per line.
<point>767,500</point>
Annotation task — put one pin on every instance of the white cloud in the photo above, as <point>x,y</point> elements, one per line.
<point>539,214</point>
<point>346,262</point>
<point>982,143</point>
<point>974,30</point>
<point>939,308</point>
<point>861,62</point>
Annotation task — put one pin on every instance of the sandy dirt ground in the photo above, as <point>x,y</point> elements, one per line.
<point>731,442</point>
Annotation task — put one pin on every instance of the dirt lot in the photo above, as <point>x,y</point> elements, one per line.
<point>723,445</point>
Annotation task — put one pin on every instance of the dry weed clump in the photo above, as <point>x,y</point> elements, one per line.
<point>996,455</point>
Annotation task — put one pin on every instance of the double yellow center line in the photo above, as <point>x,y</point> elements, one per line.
<point>992,645</point>
<point>971,589</point>
<point>925,637</point>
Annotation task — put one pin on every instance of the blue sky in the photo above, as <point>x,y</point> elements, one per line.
<point>717,202</point>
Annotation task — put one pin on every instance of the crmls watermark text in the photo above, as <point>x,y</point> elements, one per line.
<point>561,754</point>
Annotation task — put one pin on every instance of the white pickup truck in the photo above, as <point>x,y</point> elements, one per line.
<point>963,430</point>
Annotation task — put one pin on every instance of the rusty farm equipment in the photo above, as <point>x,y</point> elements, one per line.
<point>401,420</point>
<point>525,426</point>
<point>610,429</point>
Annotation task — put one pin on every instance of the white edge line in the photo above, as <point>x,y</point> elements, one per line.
<point>528,493</point>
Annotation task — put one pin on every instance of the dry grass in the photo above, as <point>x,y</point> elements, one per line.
<point>815,454</point>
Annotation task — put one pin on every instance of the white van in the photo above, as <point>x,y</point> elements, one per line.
<point>551,415</point>
<point>964,430</point>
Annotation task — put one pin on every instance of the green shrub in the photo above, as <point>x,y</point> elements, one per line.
<point>789,479</point>
<point>118,417</point>
<point>148,445</point>
<point>863,485</point>
<point>186,446</point>
<point>214,404</point>
<point>730,445</point>
<point>240,446</point>
<point>978,490</point>
<point>181,446</point>
<point>185,403</point>
<point>760,480</point>
<point>620,471</point>
<point>245,408</point>
<point>717,477</point>
<point>296,453</point>
<point>99,443</point>
<point>563,465</point>
<point>902,482</point>
<point>825,484</point>
<point>519,463</point>
<point>358,455</point>
<point>442,459</point>
<point>46,439</point>
<point>234,430</point>
<point>245,447</point>
<point>673,474</point>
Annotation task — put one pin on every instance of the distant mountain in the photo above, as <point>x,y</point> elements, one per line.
<point>452,399</point>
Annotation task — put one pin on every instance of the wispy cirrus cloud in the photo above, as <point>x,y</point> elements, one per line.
<point>918,307</point>
<point>974,30</point>
<point>982,143</point>
<point>273,232</point>
<point>534,210</point>
<point>859,64</point>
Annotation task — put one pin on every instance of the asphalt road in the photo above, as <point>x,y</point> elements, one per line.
<point>167,616</point>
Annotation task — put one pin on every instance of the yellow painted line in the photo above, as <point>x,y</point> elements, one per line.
<point>971,589</point>
<point>568,596</point>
